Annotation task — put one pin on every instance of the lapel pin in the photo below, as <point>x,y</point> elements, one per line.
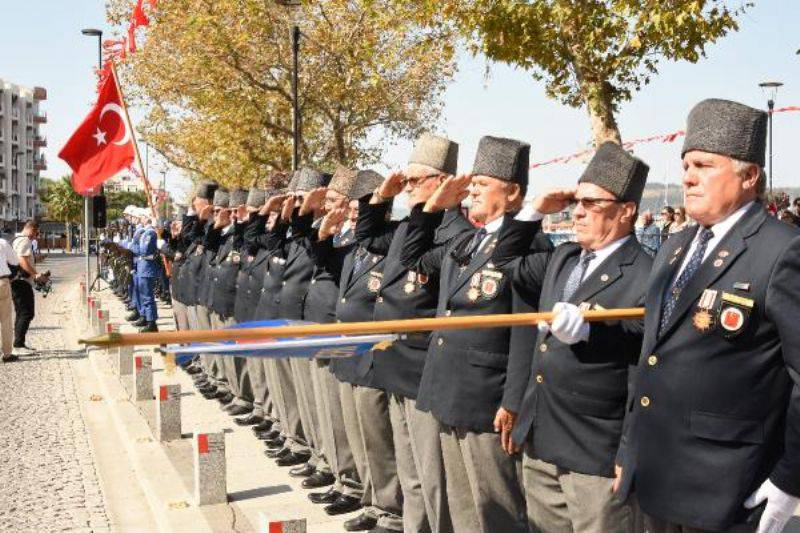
<point>724,253</point>
<point>742,286</point>
<point>677,250</point>
<point>718,263</point>
<point>604,277</point>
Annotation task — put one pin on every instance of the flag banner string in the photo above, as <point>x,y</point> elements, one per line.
<point>665,138</point>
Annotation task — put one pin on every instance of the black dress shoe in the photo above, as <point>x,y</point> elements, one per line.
<point>10,358</point>
<point>317,480</point>
<point>238,410</point>
<point>263,426</point>
<point>275,443</point>
<point>224,397</point>
<point>140,323</point>
<point>149,327</point>
<point>293,459</point>
<point>277,453</point>
<point>268,435</point>
<point>343,504</point>
<point>133,316</point>
<point>192,369</point>
<point>362,522</point>
<point>327,497</point>
<point>304,470</point>
<point>249,420</point>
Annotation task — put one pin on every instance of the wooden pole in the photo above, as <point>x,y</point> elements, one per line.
<point>352,328</point>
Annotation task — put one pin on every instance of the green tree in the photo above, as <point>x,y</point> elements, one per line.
<point>62,203</point>
<point>590,53</point>
<point>215,80</point>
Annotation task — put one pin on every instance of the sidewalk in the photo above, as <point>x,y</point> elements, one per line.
<point>165,471</point>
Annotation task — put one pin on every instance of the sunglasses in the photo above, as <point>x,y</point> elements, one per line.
<point>417,180</point>
<point>595,204</point>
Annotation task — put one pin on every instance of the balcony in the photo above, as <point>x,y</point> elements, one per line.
<point>39,93</point>
<point>40,163</point>
<point>40,118</point>
<point>15,139</point>
<point>29,143</point>
<point>39,141</point>
<point>15,114</point>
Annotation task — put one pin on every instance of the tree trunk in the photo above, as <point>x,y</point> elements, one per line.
<point>68,244</point>
<point>597,96</point>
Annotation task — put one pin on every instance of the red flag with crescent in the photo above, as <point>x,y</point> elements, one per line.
<point>102,146</point>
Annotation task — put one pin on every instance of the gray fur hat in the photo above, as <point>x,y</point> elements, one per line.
<point>221,198</point>
<point>366,182</point>
<point>206,189</point>
<point>437,152</point>
<point>617,171</point>
<point>237,197</point>
<point>727,128</point>
<point>292,181</point>
<point>308,179</point>
<point>256,197</point>
<point>343,180</point>
<point>504,159</point>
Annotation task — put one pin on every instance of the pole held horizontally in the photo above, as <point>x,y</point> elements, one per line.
<point>352,328</point>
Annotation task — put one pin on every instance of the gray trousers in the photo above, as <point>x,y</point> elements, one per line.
<point>258,382</point>
<point>304,391</point>
<point>426,448</point>
<point>291,425</point>
<point>561,501</point>
<point>484,489</point>
<point>353,431</point>
<point>656,525</point>
<point>272,406</point>
<point>372,406</point>
<point>181,314</point>
<point>209,361</point>
<point>401,411</point>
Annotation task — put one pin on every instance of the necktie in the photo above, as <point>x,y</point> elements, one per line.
<point>674,292</point>
<point>576,276</point>
<point>475,243</point>
<point>358,260</point>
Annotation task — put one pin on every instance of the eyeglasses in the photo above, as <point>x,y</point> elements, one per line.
<point>595,204</point>
<point>417,180</point>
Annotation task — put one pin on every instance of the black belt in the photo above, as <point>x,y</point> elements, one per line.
<point>5,277</point>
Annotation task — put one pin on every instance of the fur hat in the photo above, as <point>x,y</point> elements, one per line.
<point>436,152</point>
<point>221,198</point>
<point>504,159</point>
<point>617,171</point>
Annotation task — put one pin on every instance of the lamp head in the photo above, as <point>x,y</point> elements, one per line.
<point>92,32</point>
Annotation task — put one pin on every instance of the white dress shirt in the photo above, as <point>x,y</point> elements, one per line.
<point>7,257</point>
<point>720,229</point>
<point>491,228</point>
<point>602,254</point>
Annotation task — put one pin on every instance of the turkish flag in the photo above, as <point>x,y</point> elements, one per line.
<point>102,146</point>
<point>138,18</point>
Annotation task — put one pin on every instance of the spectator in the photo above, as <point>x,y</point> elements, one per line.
<point>796,207</point>
<point>22,286</point>
<point>8,259</point>
<point>680,222</point>
<point>667,219</point>
<point>787,216</point>
<point>648,233</point>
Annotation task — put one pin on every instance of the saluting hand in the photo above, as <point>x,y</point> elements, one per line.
<point>205,212</point>
<point>554,201</point>
<point>288,208</point>
<point>449,194</point>
<point>272,204</point>
<point>332,223</point>
<point>313,200</point>
<point>504,422</point>
<point>222,219</point>
<point>391,186</point>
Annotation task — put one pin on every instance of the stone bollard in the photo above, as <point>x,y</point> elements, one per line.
<point>102,321</point>
<point>270,525</point>
<point>124,360</point>
<point>143,378</point>
<point>94,323</point>
<point>210,483</point>
<point>90,307</point>
<point>110,328</point>
<point>168,413</point>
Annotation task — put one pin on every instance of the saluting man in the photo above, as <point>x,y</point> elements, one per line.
<point>571,418</point>
<point>145,250</point>
<point>465,384</point>
<point>714,438</point>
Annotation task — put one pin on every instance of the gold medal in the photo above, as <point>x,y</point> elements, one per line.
<point>473,293</point>
<point>702,320</point>
<point>408,288</point>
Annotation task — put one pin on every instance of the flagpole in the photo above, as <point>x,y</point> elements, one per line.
<point>129,124</point>
<point>352,328</point>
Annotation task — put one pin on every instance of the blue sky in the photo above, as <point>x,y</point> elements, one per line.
<point>41,44</point>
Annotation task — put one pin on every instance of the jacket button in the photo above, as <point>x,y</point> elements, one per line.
<point>645,401</point>
<point>543,347</point>
<point>283,283</point>
<point>379,299</point>
<point>313,281</point>
<point>448,313</point>
<point>440,341</point>
<point>344,300</point>
<point>652,360</point>
<point>539,378</point>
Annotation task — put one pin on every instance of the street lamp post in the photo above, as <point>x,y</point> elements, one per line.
<point>770,88</point>
<point>90,32</point>
<point>296,135</point>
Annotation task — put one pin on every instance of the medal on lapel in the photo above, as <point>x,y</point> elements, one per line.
<point>474,292</point>
<point>374,283</point>
<point>734,314</point>
<point>178,256</point>
<point>234,257</point>
<point>199,250</point>
<point>490,281</point>
<point>703,319</point>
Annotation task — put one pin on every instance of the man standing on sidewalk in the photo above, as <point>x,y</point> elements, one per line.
<point>22,287</point>
<point>8,258</point>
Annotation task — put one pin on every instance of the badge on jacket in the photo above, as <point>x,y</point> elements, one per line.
<point>234,256</point>
<point>734,314</point>
<point>703,319</point>
<point>374,283</point>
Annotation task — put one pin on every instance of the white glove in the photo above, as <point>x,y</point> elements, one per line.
<point>780,507</point>
<point>568,326</point>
